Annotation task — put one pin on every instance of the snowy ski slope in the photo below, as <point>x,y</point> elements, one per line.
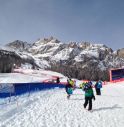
<point>52,109</point>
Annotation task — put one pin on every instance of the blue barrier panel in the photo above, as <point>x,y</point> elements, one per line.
<point>4,95</point>
<point>21,88</point>
<point>6,90</point>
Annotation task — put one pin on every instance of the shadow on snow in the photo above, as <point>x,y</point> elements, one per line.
<point>107,108</point>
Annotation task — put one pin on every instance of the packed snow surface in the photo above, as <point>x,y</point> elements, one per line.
<point>51,108</point>
<point>29,75</point>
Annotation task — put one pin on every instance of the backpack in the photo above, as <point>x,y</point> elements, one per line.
<point>86,87</point>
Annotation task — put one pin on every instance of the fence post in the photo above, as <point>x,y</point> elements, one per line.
<point>29,89</point>
<point>10,97</point>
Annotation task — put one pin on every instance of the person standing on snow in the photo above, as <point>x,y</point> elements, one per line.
<point>98,87</point>
<point>69,87</point>
<point>89,95</point>
<point>57,80</point>
<point>81,86</point>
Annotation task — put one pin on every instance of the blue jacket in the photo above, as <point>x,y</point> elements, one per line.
<point>98,85</point>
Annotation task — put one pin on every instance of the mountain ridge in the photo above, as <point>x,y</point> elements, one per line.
<point>78,60</point>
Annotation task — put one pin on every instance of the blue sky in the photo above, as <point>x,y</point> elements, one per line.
<point>95,21</point>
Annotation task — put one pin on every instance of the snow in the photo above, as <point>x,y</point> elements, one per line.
<point>63,54</point>
<point>52,109</point>
<point>47,48</point>
<point>42,63</point>
<point>30,75</point>
<point>90,53</point>
<point>20,78</point>
<point>101,66</point>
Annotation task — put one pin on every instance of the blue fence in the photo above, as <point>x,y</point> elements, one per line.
<point>22,88</point>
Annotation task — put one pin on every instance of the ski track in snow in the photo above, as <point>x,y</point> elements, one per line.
<point>52,109</point>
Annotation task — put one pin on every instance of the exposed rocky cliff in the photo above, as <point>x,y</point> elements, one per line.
<point>120,52</point>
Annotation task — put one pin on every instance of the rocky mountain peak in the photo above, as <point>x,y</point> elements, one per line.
<point>73,45</point>
<point>120,52</point>
<point>84,45</point>
<point>18,45</point>
<point>51,39</point>
<point>46,41</point>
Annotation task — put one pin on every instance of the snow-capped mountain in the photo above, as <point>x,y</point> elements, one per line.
<point>78,60</point>
<point>9,59</point>
<point>18,45</point>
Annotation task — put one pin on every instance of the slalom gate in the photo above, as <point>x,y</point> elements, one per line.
<point>9,89</point>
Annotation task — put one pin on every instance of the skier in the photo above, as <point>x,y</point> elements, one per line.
<point>89,95</point>
<point>98,87</point>
<point>81,86</point>
<point>69,87</point>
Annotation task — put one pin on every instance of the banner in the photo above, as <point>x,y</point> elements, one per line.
<point>6,88</point>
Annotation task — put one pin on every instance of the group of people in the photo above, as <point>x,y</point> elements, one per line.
<point>87,87</point>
